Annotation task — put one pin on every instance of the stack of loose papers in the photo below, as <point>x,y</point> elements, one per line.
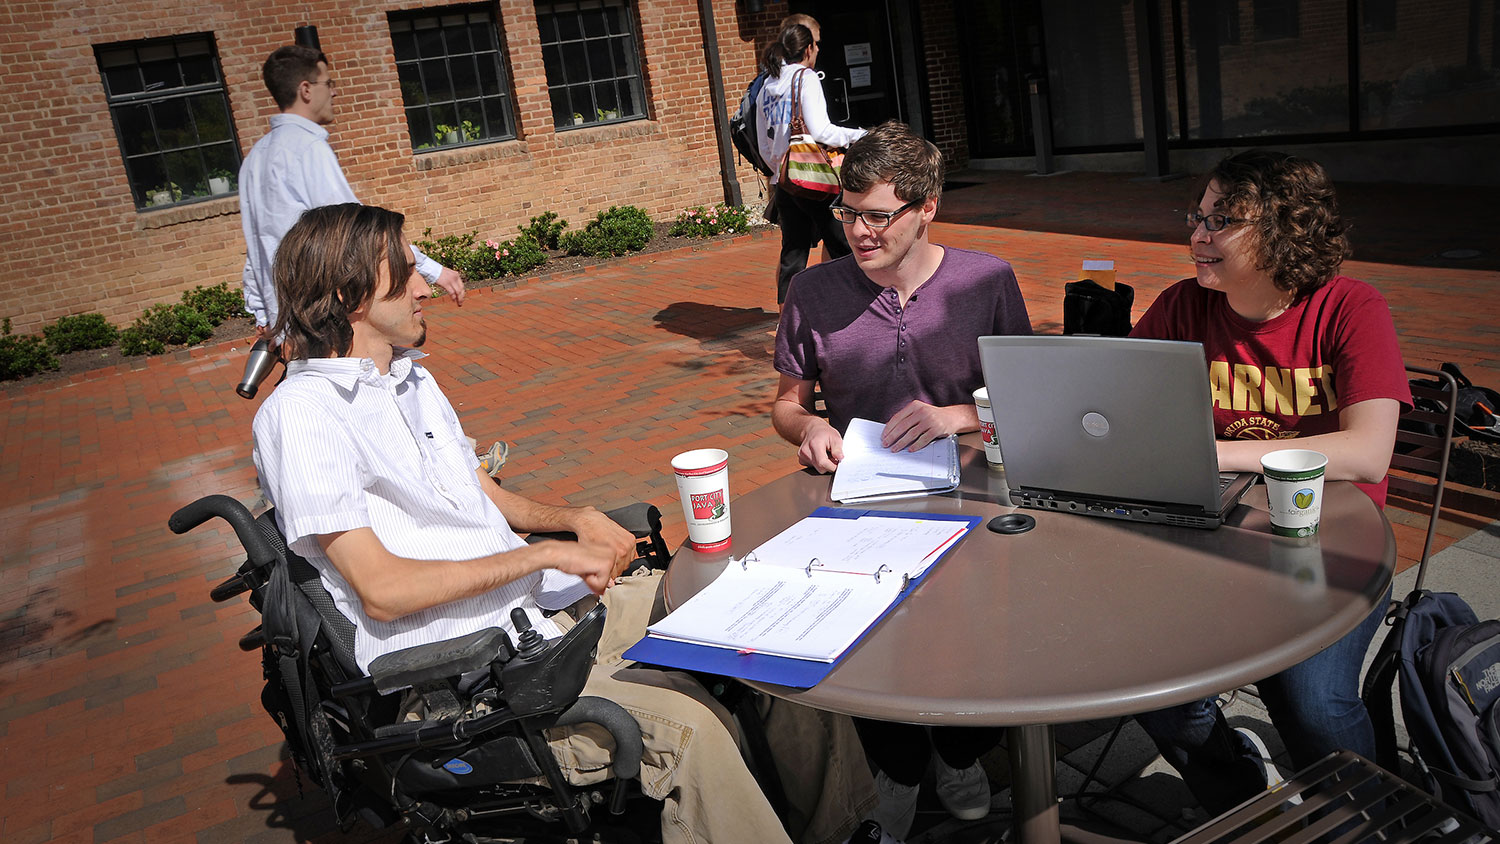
<point>871,472</point>
<point>812,590</point>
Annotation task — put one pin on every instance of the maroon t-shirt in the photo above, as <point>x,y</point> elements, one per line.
<point>872,357</point>
<point>1288,376</point>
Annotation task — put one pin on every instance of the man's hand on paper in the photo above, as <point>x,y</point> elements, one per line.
<point>919,423</point>
<point>821,449</point>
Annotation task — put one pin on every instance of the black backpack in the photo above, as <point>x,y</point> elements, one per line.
<point>1448,665</point>
<point>745,124</point>
<point>1474,412</point>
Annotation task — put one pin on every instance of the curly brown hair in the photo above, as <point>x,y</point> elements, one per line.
<point>1299,239</point>
<point>327,267</point>
<point>893,153</point>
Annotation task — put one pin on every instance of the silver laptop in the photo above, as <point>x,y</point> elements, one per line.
<point>1108,426</point>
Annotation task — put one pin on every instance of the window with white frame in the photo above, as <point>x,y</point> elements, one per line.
<point>592,55</point>
<point>172,119</point>
<point>454,85</point>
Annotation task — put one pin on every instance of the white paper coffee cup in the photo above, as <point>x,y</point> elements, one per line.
<point>1294,490</point>
<point>703,484</point>
<point>987,427</point>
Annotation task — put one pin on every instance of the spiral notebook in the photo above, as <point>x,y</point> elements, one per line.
<point>788,611</point>
<point>871,472</point>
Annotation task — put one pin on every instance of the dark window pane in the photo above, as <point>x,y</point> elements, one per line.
<point>489,73</point>
<point>435,75</point>
<point>429,39</point>
<point>198,70</point>
<point>575,62</point>
<point>420,126</point>
<point>136,133</point>
<point>222,157</point>
<point>552,58</point>
<point>404,42</point>
<point>465,78</point>
<point>211,117</point>
<point>629,103</point>
<point>456,31</point>
<point>567,27</point>
<point>444,115</point>
<point>1275,19</point>
<point>147,174</point>
<point>494,110</point>
<point>629,63</point>
<point>185,169</point>
<point>482,33</point>
<point>122,80</point>
<point>172,123</point>
<point>618,22</point>
<point>161,75</point>
<point>411,84</point>
<point>562,109</point>
<point>599,61</point>
<point>594,24</point>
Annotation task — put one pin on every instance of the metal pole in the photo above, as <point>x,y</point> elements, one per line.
<point>1033,761</point>
<point>716,102</point>
<point>1041,122</point>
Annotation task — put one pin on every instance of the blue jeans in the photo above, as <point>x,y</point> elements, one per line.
<point>1314,705</point>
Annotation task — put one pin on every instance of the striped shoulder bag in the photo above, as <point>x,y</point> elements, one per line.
<point>809,170</point>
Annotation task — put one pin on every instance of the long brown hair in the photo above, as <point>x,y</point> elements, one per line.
<point>327,267</point>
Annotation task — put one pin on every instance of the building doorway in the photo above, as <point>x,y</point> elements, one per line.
<point>1001,43</point>
<point>861,79</point>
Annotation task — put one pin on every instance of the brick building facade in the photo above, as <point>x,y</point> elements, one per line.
<point>87,244</point>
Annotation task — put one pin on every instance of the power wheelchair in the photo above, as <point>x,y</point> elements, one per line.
<point>477,761</point>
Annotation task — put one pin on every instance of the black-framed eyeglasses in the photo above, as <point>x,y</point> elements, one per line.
<point>1213,222</point>
<point>874,219</point>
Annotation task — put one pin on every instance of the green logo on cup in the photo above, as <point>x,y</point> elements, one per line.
<point>1303,498</point>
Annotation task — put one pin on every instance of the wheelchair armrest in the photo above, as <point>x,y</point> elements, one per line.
<point>433,662</point>
<point>626,731</point>
<point>551,679</point>
<point>640,518</point>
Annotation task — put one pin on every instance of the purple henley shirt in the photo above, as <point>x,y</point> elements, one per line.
<point>872,357</point>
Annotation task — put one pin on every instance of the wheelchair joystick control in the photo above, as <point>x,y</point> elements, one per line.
<point>529,643</point>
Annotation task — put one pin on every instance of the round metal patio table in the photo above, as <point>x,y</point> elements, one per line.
<point>1079,618</point>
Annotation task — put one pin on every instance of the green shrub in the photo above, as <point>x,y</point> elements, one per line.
<point>23,354</point>
<point>617,231</point>
<point>217,303</point>
<point>519,256</point>
<point>453,251</point>
<point>545,229</point>
<point>701,222</point>
<point>476,262</point>
<point>164,325</point>
<point>82,331</point>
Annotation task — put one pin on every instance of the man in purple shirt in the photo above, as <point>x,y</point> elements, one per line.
<point>890,332</point>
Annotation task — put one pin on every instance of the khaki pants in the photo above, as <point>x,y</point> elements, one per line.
<point>692,761</point>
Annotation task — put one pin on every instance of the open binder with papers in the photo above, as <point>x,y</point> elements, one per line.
<point>788,611</point>
<point>871,472</point>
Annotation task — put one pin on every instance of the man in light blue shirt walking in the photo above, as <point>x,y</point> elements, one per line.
<point>293,169</point>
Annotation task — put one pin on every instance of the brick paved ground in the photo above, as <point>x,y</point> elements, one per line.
<point>127,712</point>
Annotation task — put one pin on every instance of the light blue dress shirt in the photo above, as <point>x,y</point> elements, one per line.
<point>287,172</point>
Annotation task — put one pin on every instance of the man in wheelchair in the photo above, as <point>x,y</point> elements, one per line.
<point>374,484</point>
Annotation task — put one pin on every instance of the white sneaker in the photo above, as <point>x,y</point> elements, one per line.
<point>1273,776</point>
<point>897,808</point>
<point>965,794</point>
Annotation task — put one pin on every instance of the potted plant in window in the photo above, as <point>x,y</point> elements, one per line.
<point>608,113</point>
<point>220,181</point>
<point>164,194</point>
<point>471,132</point>
<point>577,119</point>
<point>446,134</point>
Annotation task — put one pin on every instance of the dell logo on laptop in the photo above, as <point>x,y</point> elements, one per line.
<point>1095,425</point>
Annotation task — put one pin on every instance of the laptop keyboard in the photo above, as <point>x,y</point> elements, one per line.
<point>1224,481</point>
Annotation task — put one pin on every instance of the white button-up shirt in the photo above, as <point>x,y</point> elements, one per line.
<point>287,172</point>
<point>340,446</point>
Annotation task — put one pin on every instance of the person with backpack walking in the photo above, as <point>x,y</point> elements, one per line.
<point>788,64</point>
<point>1299,356</point>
